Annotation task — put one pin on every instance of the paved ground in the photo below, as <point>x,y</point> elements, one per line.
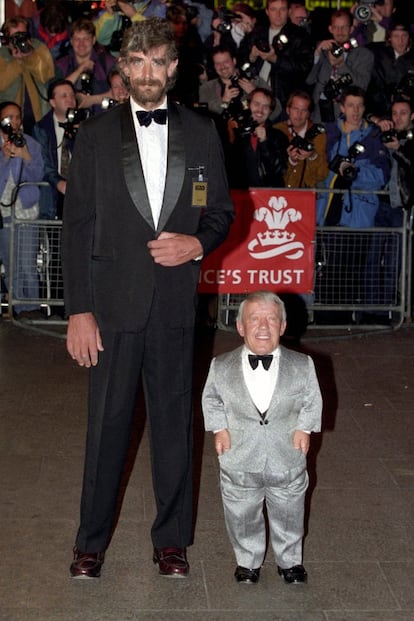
<point>359,548</point>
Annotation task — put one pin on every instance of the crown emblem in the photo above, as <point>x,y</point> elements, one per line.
<point>276,239</point>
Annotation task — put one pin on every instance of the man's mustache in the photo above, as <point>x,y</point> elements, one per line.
<point>147,82</point>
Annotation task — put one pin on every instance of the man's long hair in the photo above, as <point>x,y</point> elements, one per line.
<point>142,37</point>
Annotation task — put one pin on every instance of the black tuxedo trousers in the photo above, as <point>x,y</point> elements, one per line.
<point>167,382</point>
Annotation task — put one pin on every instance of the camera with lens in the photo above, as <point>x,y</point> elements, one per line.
<point>363,10</point>
<point>344,166</point>
<point>337,50</point>
<point>280,42</point>
<point>234,80</point>
<point>74,116</point>
<point>15,138</point>
<point>245,123</point>
<point>263,46</point>
<point>405,88</point>
<point>392,134</point>
<point>226,18</point>
<point>115,43</point>
<point>333,88</point>
<point>85,80</point>
<point>247,71</point>
<point>20,41</point>
<point>306,142</point>
<point>108,102</point>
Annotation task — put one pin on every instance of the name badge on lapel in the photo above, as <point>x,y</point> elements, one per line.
<point>199,197</point>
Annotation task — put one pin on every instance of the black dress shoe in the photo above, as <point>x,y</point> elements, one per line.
<point>172,562</point>
<point>247,576</point>
<point>86,564</point>
<point>293,575</point>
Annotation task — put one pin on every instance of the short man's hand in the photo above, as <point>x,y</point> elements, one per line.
<point>171,249</point>
<point>301,441</point>
<point>83,339</point>
<point>222,441</point>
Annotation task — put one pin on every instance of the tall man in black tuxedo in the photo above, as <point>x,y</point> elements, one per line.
<point>144,203</point>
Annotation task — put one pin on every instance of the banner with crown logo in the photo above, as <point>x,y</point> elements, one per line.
<point>270,245</point>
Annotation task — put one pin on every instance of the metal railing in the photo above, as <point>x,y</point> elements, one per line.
<point>357,272</point>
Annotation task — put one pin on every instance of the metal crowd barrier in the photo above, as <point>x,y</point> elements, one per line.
<point>35,271</point>
<point>356,271</point>
<point>35,258</point>
<point>360,275</point>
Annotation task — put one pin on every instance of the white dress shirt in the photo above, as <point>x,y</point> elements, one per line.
<point>260,383</point>
<point>152,144</point>
<point>59,132</point>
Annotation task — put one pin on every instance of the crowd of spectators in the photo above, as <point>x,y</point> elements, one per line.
<point>291,91</point>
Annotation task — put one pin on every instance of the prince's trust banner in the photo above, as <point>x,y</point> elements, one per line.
<point>270,245</point>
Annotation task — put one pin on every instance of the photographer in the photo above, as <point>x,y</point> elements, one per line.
<point>115,19</point>
<point>86,65</point>
<point>230,89</point>
<point>394,60</point>
<point>335,59</point>
<point>190,55</point>
<point>231,29</point>
<point>259,156</point>
<point>352,167</point>
<point>57,147</point>
<point>20,160</point>
<point>26,66</point>
<point>281,52</point>
<point>307,165</point>
<point>373,29</point>
<point>384,257</point>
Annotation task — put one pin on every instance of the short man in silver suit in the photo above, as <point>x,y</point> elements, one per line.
<point>262,401</point>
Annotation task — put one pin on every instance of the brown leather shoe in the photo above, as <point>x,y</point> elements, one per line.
<point>172,562</point>
<point>86,564</point>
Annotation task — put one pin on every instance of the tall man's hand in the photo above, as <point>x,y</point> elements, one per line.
<point>83,339</point>
<point>171,249</point>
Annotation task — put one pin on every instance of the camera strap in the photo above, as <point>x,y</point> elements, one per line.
<point>38,91</point>
<point>335,206</point>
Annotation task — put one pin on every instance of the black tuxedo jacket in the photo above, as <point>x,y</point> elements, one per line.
<point>107,222</point>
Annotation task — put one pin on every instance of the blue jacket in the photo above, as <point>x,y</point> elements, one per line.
<point>374,170</point>
<point>23,171</point>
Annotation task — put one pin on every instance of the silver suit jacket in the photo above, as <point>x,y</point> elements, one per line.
<point>296,404</point>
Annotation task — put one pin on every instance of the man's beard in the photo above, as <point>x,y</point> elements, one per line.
<point>146,92</point>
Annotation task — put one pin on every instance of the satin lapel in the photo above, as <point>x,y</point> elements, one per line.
<point>131,162</point>
<point>175,165</point>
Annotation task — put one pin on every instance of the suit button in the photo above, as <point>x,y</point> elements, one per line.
<point>261,422</point>
<point>266,422</point>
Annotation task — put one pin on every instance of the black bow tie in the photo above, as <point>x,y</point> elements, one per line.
<point>145,117</point>
<point>266,361</point>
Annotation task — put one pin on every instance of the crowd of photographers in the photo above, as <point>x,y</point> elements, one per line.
<point>300,100</point>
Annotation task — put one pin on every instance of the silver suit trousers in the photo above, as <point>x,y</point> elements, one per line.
<point>244,495</point>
